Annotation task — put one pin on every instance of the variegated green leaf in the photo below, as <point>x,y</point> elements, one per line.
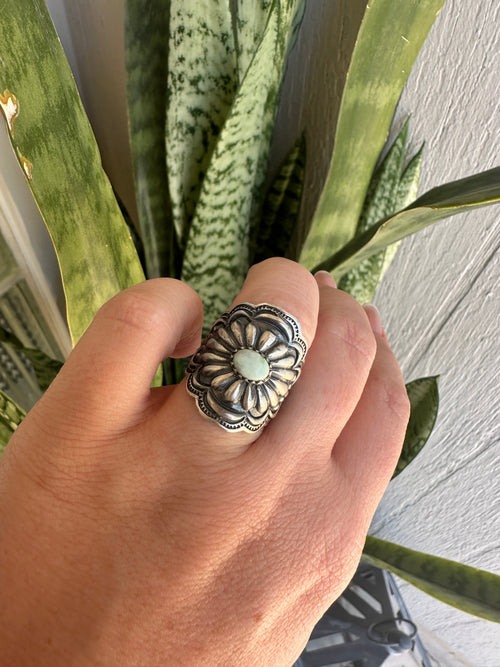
<point>383,189</point>
<point>467,588</point>
<point>217,253</point>
<point>58,154</point>
<point>407,193</point>
<point>202,82</point>
<point>281,207</point>
<point>251,19</point>
<point>446,200</point>
<point>44,366</point>
<point>388,42</point>
<point>11,415</point>
<point>146,59</point>
<point>362,281</point>
<point>408,183</point>
<point>424,401</point>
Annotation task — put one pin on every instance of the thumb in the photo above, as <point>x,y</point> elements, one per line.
<point>109,373</point>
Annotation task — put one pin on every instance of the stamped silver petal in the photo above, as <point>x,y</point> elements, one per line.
<point>267,339</point>
<point>251,333</point>
<point>284,326</point>
<point>214,345</point>
<point>221,381</point>
<point>278,352</point>
<point>214,369</point>
<point>228,415</point>
<point>235,391</point>
<point>274,399</point>
<point>285,374</point>
<point>285,362</point>
<point>213,357</point>
<point>282,388</point>
<point>262,403</point>
<point>250,397</point>
<point>237,329</point>
<point>226,338</point>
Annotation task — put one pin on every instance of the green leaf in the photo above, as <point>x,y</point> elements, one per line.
<point>251,19</point>
<point>467,588</point>
<point>146,59</point>
<point>56,149</point>
<point>407,193</point>
<point>389,39</point>
<point>362,281</point>
<point>282,204</point>
<point>44,366</point>
<point>408,184</point>
<point>382,192</point>
<point>424,401</point>
<point>446,200</point>
<point>11,415</point>
<point>217,253</point>
<point>202,83</point>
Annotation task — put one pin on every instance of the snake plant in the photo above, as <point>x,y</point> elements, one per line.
<point>203,90</point>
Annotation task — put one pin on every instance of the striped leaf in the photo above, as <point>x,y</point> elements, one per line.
<point>446,200</point>
<point>57,152</point>
<point>217,253</point>
<point>11,415</point>
<point>389,39</point>
<point>362,281</point>
<point>44,366</point>
<point>202,82</point>
<point>467,588</point>
<point>424,400</point>
<point>251,19</point>
<point>281,207</point>
<point>408,183</point>
<point>146,59</point>
<point>407,193</point>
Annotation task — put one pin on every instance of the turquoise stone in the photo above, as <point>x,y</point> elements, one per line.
<point>251,365</point>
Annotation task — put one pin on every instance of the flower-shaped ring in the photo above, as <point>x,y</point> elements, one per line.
<point>246,366</point>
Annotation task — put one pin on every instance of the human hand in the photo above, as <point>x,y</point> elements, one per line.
<point>134,531</point>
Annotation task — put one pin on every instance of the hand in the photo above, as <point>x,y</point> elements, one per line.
<point>135,531</point>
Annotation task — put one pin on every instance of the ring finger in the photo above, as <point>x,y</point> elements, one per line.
<point>278,282</point>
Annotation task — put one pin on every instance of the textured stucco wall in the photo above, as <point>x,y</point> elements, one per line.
<point>439,302</point>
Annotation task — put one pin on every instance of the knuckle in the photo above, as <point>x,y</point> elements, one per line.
<point>131,310</point>
<point>393,395</point>
<point>359,339</point>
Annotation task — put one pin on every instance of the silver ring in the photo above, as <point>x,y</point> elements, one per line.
<point>246,366</point>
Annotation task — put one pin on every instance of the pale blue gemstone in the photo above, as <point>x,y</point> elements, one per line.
<point>251,365</point>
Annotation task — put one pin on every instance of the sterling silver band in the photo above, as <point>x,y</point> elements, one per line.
<point>246,366</point>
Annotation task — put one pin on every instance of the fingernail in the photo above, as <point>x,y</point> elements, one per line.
<point>325,278</point>
<point>374,317</point>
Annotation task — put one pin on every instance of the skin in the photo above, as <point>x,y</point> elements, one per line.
<point>134,531</point>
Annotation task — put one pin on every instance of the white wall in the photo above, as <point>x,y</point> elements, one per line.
<point>441,304</point>
<point>440,300</point>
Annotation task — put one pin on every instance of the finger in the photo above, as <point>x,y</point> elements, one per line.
<point>278,282</point>
<point>368,448</point>
<point>111,368</point>
<point>332,380</point>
